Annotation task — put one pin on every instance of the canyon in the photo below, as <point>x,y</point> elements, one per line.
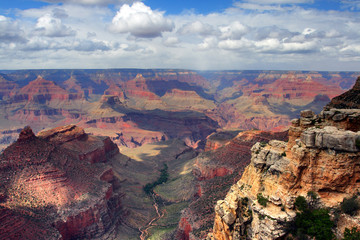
<point>139,106</point>
<point>220,136</point>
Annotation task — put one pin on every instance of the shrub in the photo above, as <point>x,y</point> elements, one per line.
<point>164,176</point>
<point>353,234</point>
<point>311,222</point>
<point>315,223</point>
<point>263,144</point>
<point>300,203</point>
<point>262,200</point>
<point>350,205</point>
<point>283,154</point>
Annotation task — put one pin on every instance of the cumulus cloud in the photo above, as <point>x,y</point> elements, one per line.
<point>10,31</point>
<point>243,44</point>
<point>140,21</point>
<point>59,13</point>
<point>208,43</point>
<point>197,27</point>
<point>233,31</point>
<point>50,26</point>
<point>282,34</point>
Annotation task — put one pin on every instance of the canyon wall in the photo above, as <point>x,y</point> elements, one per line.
<point>321,158</point>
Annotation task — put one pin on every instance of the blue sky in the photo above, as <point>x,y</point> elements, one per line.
<point>228,34</point>
<point>177,7</point>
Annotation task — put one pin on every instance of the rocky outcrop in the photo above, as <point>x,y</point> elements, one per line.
<point>219,139</point>
<point>331,138</point>
<point>115,90</point>
<point>61,179</point>
<point>348,100</point>
<point>215,171</point>
<point>320,157</point>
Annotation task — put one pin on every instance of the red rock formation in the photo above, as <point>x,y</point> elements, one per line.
<point>43,180</point>
<point>41,90</point>
<point>137,88</point>
<point>115,90</point>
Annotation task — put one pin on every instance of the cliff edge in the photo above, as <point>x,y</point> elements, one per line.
<point>320,162</point>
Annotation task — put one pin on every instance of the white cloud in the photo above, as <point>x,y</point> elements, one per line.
<point>50,26</point>
<point>196,27</point>
<point>171,41</point>
<point>78,36</point>
<point>10,31</point>
<point>243,44</point>
<point>140,21</point>
<point>233,31</point>
<point>208,43</point>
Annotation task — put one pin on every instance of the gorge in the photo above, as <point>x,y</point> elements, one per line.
<point>224,136</point>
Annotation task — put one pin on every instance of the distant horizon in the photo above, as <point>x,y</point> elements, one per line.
<point>175,69</point>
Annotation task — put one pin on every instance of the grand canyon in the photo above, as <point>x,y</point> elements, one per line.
<point>177,154</point>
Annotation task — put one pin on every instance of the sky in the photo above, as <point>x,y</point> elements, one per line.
<point>200,35</point>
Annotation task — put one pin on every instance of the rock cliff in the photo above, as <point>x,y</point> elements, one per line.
<point>215,171</point>
<point>58,185</point>
<point>321,158</point>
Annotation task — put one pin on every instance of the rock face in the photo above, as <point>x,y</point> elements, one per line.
<point>61,180</point>
<point>215,171</point>
<point>350,99</point>
<point>322,156</point>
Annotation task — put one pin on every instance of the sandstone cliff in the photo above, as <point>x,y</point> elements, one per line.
<point>321,158</point>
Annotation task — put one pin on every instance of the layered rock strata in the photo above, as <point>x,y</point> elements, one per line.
<point>322,156</point>
<point>57,185</point>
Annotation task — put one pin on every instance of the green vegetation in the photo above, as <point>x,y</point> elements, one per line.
<point>262,200</point>
<point>357,142</point>
<point>350,205</point>
<point>283,154</point>
<point>164,176</point>
<point>311,222</point>
<point>300,203</point>
<point>353,234</point>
